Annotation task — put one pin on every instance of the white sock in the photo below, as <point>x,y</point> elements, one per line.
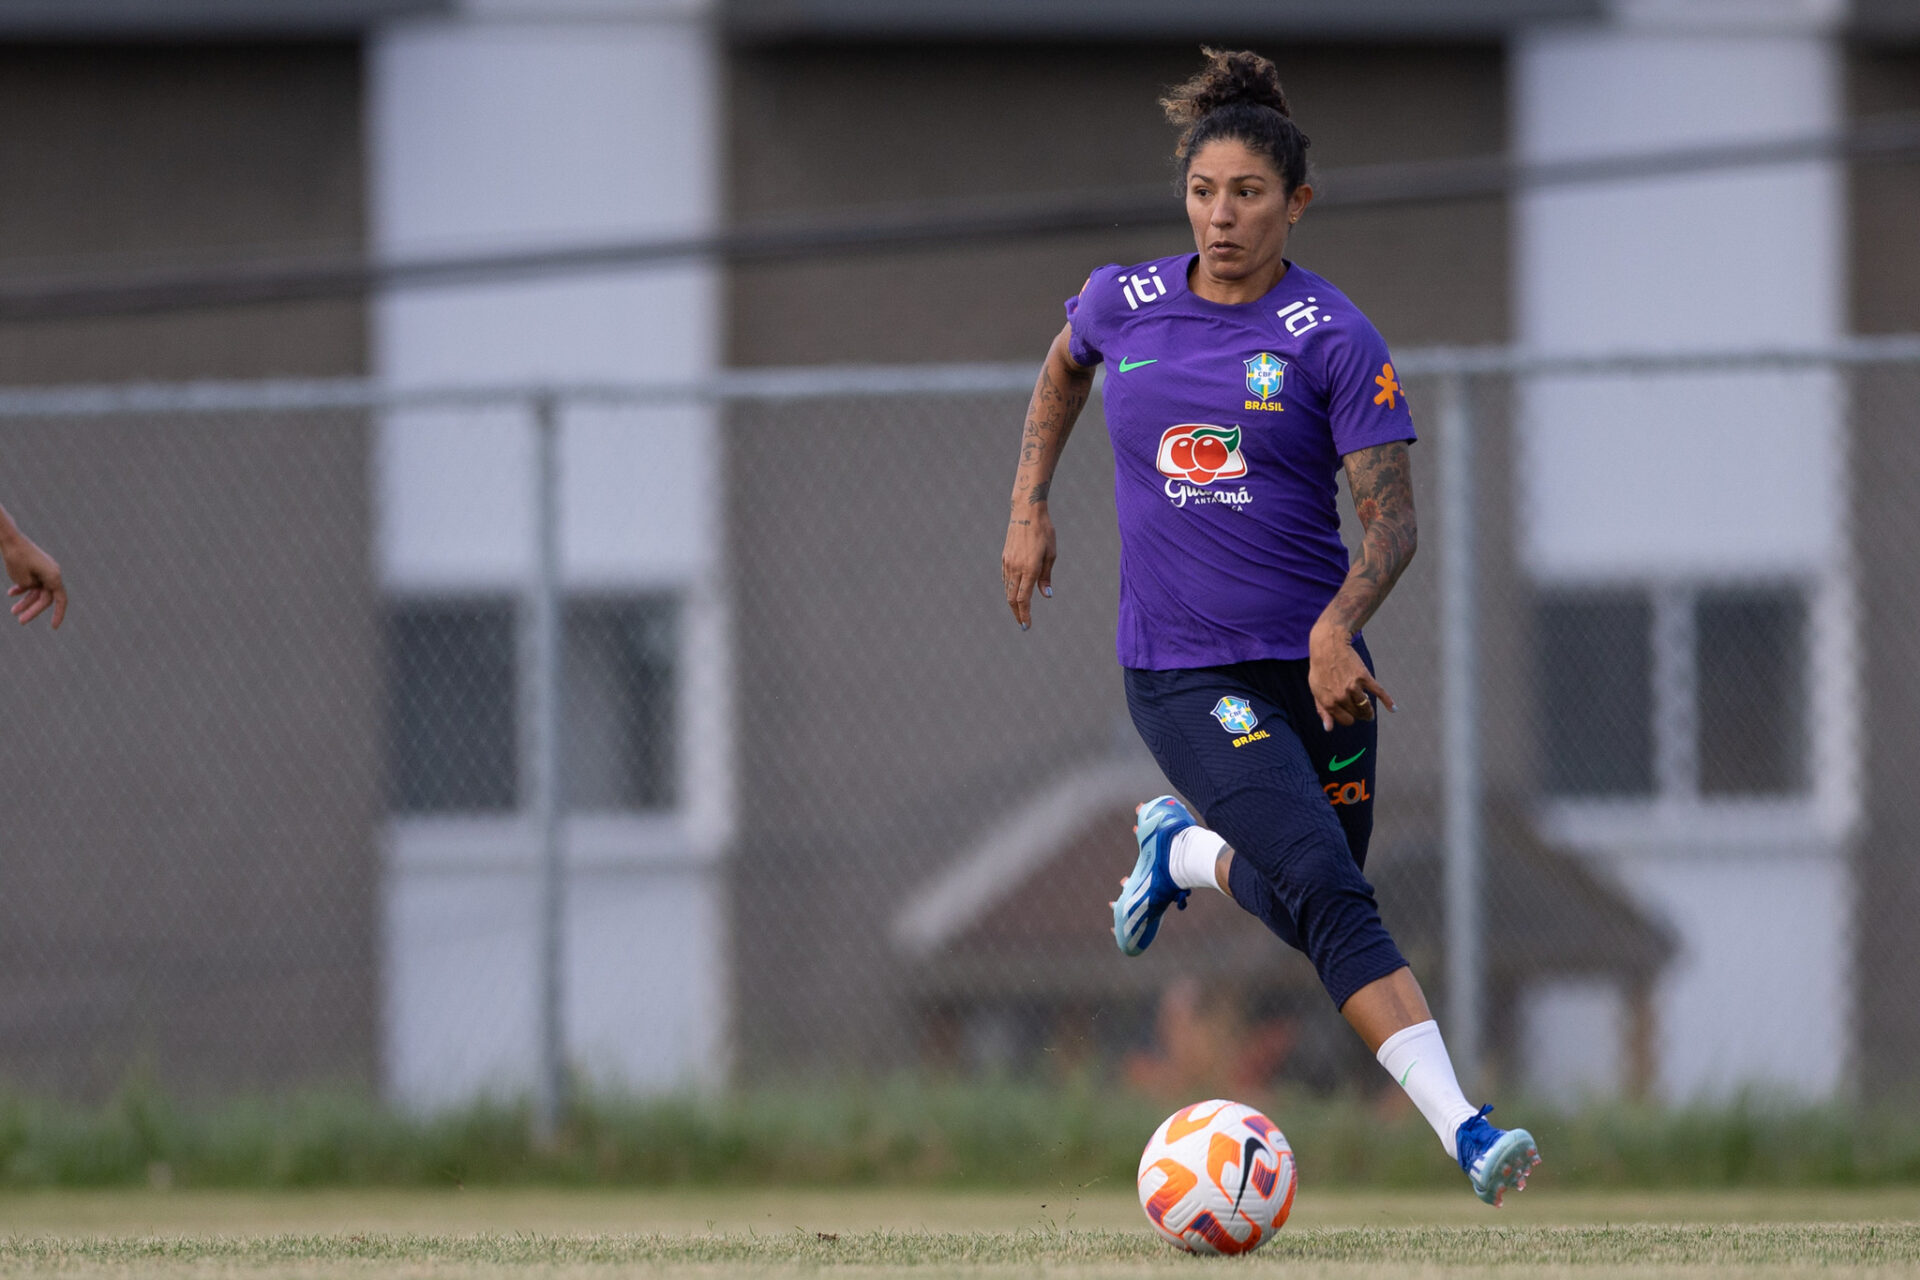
<point>1417,1060</point>
<point>1191,859</point>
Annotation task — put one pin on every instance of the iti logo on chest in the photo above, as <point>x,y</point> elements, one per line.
<point>1235,714</point>
<point>1266,374</point>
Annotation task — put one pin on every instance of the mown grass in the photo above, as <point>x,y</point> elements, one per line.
<point>1630,1249</point>
<point>898,1133</point>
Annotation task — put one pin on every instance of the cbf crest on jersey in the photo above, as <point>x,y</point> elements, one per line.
<point>1235,715</point>
<point>1266,373</point>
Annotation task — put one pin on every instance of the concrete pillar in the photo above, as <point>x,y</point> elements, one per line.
<point>1667,484</point>
<point>513,125</point>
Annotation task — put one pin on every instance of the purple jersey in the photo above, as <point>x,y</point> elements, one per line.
<point>1229,423</point>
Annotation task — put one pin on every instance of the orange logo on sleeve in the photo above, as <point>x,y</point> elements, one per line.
<point>1387,384</point>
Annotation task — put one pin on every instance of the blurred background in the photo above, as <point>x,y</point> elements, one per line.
<point>532,473</point>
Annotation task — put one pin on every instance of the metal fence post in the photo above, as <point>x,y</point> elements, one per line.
<point>1460,742</point>
<point>547,792</point>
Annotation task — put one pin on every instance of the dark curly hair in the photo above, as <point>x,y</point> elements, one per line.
<point>1238,96</point>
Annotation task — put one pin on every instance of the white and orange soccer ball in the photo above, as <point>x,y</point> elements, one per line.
<point>1217,1177</point>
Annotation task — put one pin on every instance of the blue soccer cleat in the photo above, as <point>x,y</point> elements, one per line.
<point>1496,1160</point>
<point>1150,890</point>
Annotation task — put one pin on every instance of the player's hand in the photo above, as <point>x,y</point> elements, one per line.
<point>1343,688</point>
<point>1026,563</point>
<point>37,584</point>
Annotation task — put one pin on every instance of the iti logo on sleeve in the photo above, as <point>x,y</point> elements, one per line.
<point>1235,714</point>
<point>1266,373</point>
<point>1140,289</point>
<point>1303,317</point>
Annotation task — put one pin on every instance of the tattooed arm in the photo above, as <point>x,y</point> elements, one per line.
<point>1026,562</point>
<point>1381,481</point>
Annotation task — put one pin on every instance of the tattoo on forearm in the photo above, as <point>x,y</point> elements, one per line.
<point>1381,480</point>
<point>1043,418</point>
<point>1050,416</point>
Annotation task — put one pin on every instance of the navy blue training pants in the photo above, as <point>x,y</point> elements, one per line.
<point>1244,744</point>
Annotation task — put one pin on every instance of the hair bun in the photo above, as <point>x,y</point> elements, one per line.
<point>1230,77</point>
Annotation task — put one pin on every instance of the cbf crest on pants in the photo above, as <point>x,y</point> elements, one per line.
<point>1235,715</point>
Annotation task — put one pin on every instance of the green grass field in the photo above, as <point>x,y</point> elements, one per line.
<point>1093,1232</point>
<point>897,1132</point>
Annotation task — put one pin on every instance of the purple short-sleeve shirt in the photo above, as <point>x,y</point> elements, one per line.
<point>1229,423</point>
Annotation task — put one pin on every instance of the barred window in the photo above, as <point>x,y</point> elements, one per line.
<point>620,703</point>
<point>1678,692</point>
<point>1751,660</point>
<point>1596,685</point>
<point>455,721</point>
<point>452,728</point>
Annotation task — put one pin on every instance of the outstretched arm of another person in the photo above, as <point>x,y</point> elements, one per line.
<point>1026,562</point>
<point>1381,481</point>
<point>37,584</point>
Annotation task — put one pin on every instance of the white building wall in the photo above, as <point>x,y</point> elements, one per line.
<point>1691,477</point>
<point>515,126</point>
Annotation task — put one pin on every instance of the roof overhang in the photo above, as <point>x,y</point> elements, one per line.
<point>1021,839</point>
<point>754,21</point>
<point>198,19</point>
<point>1893,21</point>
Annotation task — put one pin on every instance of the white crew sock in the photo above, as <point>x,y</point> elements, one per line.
<point>1191,859</point>
<point>1416,1058</point>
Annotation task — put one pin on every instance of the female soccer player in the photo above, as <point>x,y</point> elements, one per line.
<point>1238,384</point>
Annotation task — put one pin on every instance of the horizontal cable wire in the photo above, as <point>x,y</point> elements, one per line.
<point>852,382</point>
<point>906,227</point>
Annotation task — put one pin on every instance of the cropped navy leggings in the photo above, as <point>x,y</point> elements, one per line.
<point>1244,744</point>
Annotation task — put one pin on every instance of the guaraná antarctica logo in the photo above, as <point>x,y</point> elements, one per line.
<point>1195,454</point>
<point>1200,454</point>
<point>1266,374</point>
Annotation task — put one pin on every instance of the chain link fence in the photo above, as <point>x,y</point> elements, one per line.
<point>493,742</point>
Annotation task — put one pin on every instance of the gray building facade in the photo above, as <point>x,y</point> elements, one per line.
<point>884,700</point>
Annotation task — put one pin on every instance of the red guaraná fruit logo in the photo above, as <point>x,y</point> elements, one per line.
<point>1201,454</point>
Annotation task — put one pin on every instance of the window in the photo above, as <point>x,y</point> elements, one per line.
<point>455,720</point>
<point>1677,692</point>
<point>452,741</point>
<point>1596,684</point>
<point>620,704</point>
<point>1751,660</point>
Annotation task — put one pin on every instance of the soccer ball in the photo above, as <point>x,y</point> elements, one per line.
<point>1217,1177</point>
